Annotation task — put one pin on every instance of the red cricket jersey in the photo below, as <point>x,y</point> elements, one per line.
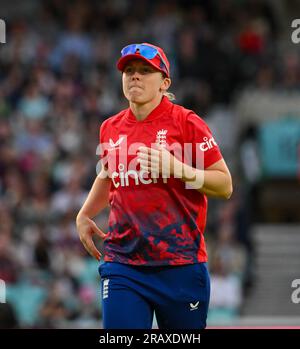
<point>155,221</point>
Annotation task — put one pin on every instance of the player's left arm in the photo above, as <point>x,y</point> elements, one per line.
<point>214,181</point>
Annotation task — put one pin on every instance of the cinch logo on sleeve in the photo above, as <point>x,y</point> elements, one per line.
<point>207,144</point>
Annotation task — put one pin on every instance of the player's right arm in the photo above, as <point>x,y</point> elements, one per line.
<point>96,201</point>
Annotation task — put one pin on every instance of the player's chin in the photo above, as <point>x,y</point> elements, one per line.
<point>136,97</point>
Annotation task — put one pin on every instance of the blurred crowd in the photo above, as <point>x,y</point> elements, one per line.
<point>58,83</point>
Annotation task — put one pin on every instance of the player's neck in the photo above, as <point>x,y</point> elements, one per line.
<point>141,111</point>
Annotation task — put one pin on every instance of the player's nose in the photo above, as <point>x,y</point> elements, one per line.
<point>135,75</point>
<point>136,71</point>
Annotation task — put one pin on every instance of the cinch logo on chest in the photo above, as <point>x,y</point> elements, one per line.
<point>121,178</point>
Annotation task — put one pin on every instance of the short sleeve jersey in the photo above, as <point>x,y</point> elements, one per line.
<point>155,221</point>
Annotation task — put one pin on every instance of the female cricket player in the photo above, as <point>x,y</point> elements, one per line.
<point>159,164</point>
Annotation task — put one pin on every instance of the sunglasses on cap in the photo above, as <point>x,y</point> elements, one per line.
<point>144,50</point>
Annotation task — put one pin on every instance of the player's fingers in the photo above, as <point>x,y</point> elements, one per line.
<point>91,248</point>
<point>148,160</point>
<point>98,231</point>
<point>143,161</point>
<point>153,158</point>
<point>143,155</point>
<point>144,150</point>
<point>154,171</point>
<point>144,167</point>
<point>154,152</point>
<point>147,150</point>
<point>152,166</point>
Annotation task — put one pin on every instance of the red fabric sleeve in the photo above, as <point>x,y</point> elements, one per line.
<point>203,143</point>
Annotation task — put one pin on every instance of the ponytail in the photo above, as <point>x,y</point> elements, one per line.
<point>170,96</point>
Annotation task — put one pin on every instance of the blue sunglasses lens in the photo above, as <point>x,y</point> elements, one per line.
<point>128,50</point>
<point>148,52</point>
<point>145,51</point>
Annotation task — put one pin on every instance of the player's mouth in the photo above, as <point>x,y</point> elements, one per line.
<point>134,87</point>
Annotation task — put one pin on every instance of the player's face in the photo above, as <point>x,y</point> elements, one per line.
<point>142,83</point>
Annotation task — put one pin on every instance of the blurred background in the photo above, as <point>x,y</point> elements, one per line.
<point>233,62</point>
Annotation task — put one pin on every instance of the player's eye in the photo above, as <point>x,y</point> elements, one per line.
<point>146,70</point>
<point>128,70</point>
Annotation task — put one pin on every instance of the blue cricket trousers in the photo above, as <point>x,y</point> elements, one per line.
<point>179,295</point>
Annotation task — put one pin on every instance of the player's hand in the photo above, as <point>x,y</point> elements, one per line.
<point>156,160</point>
<point>86,228</point>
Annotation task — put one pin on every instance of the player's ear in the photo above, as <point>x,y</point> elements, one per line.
<point>165,84</point>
